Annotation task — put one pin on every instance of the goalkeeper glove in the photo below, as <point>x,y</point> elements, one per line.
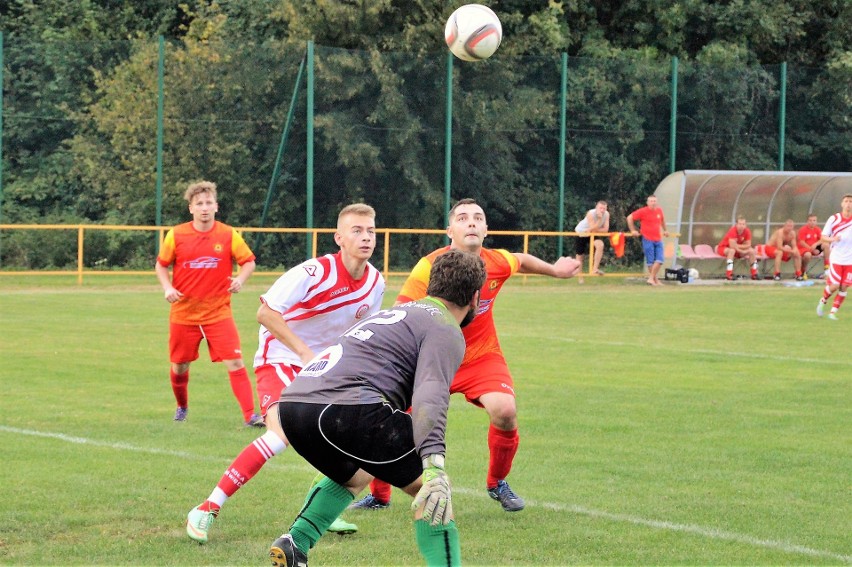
<point>434,495</point>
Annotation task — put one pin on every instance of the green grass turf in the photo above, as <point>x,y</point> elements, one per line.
<point>689,425</point>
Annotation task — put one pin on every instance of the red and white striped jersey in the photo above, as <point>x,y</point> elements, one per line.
<point>841,252</point>
<point>319,300</point>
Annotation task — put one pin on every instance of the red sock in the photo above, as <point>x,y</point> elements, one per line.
<point>248,462</point>
<point>241,386</point>
<point>729,273</point>
<point>826,293</point>
<point>798,273</point>
<point>380,490</point>
<point>180,387</point>
<point>502,446</point>
<point>838,300</point>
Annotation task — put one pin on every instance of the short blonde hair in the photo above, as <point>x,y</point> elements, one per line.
<point>358,209</point>
<point>198,188</point>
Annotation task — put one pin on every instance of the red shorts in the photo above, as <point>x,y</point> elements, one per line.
<point>223,341</point>
<point>271,381</point>
<point>722,250</point>
<point>771,250</point>
<point>840,274</point>
<point>805,250</point>
<point>486,374</point>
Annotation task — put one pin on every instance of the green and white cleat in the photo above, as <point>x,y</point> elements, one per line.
<point>198,523</point>
<point>342,527</point>
<point>820,308</point>
<point>833,317</point>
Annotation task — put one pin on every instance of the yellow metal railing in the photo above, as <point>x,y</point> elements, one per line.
<point>161,231</point>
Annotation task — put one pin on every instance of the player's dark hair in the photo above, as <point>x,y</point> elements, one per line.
<point>461,202</point>
<point>456,276</point>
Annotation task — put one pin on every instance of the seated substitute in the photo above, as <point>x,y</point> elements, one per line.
<point>737,244</point>
<point>783,247</point>
<point>345,413</point>
<point>811,245</point>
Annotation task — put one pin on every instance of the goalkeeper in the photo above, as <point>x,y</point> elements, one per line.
<point>345,414</point>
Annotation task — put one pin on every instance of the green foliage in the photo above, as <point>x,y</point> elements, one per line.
<point>80,105</point>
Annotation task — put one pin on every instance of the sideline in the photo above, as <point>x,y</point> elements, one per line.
<point>710,533</point>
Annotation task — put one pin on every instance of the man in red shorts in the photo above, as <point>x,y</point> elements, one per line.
<point>783,247</point>
<point>484,376</point>
<point>737,244</point>
<point>201,253</point>
<point>811,245</point>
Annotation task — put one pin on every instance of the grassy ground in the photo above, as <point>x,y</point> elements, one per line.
<point>694,425</point>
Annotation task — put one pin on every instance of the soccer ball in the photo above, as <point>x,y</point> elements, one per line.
<point>693,274</point>
<point>473,32</point>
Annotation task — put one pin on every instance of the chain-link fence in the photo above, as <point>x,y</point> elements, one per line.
<point>113,132</point>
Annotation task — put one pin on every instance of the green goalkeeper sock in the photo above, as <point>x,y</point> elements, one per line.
<point>324,503</point>
<point>439,544</point>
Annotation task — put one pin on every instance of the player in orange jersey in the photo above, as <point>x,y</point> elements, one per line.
<point>202,253</point>
<point>484,376</point>
<point>811,245</point>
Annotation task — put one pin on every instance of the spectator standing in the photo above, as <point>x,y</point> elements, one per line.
<point>652,227</point>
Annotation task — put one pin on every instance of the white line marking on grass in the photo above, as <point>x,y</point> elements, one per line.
<point>756,355</point>
<point>711,533</point>
<point>299,465</point>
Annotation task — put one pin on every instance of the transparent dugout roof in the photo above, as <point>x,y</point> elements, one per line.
<point>701,205</point>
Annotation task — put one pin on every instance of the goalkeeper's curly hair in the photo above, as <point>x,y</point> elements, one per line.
<point>456,276</point>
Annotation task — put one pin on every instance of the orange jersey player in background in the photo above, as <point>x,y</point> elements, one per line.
<point>484,376</point>
<point>202,253</point>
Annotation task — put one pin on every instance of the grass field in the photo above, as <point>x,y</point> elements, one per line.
<point>688,425</point>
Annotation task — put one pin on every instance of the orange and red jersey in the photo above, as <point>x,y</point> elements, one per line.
<point>733,234</point>
<point>650,222</point>
<point>480,335</point>
<point>203,264</point>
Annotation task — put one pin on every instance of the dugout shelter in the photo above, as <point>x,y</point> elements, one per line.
<point>701,205</point>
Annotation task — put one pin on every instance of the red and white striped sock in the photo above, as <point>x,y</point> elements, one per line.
<point>246,465</point>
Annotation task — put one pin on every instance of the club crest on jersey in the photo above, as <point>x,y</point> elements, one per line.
<point>311,270</point>
<point>492,285</point>
<point>217,247</point>
<point>202,263</point>
<point>323,362</point>
<point>362,310</point>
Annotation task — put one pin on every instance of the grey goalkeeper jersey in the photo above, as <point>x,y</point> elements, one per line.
<point>405,356</point>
